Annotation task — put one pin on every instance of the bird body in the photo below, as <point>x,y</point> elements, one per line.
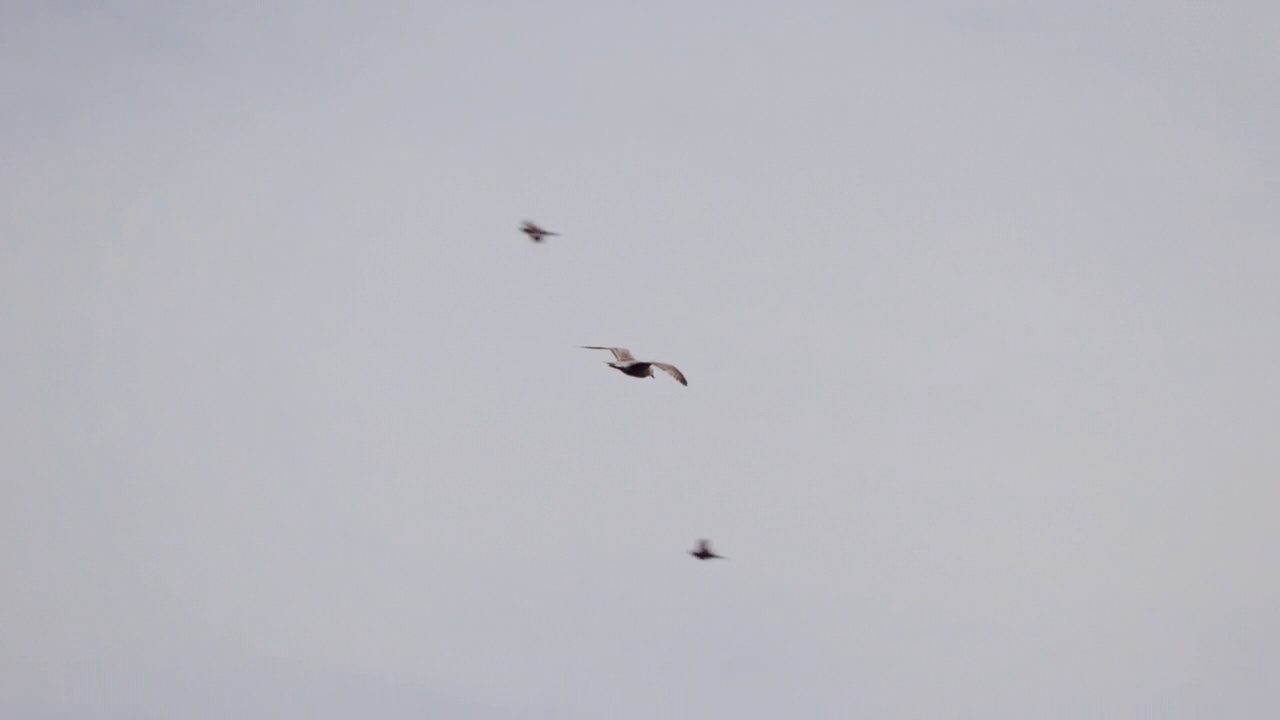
<point>626,362</point>
<point>534,232</point>
<point>704,552</point>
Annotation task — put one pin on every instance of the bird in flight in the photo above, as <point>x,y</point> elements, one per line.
<point>534,232</point>
<point>627,363</point>
<point>704,551</point>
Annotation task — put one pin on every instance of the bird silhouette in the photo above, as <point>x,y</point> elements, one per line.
<point>628,365</point>
<point>534,232</point>
<point>704,551</point>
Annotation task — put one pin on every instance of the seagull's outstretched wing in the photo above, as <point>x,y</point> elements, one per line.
<point>619,354</point>
<point>672,371</point>
<point>704,546</point>
<point>533,229</point>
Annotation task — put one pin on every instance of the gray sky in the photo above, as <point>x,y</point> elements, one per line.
<point>979,304</point>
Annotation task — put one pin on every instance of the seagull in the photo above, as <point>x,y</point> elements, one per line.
<point>627,363</point>
<point>534,232</point>
<point>704,551</point>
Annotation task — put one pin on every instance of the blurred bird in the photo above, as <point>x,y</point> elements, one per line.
<point>637,368</point>
<point>534,232</point>
<point>704,551</point>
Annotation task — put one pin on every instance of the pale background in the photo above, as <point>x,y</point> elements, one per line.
<point>979,304</point>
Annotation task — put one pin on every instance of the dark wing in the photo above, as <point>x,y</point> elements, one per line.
<point>532,229</point>
<point>619,354</point>
<point>704,546</point>
<point>672,371</point>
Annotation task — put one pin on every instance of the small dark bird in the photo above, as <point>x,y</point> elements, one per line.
<point>627,363</point>
<point>704,551</point>
<point>534,232</point>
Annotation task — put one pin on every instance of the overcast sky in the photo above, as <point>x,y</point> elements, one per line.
<point>979,304</point>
